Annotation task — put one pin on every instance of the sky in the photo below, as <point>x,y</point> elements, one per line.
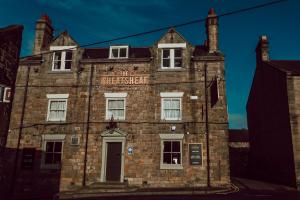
<point>97,20</point>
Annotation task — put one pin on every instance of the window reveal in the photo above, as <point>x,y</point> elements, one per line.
<point>57,110</point>
<point>116,108</point>
<point>53,152</point>
<point>171,108</point>
<point>171,152</point>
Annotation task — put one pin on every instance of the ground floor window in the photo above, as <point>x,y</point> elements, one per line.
<point>52,151</point>
<point>171,151</point>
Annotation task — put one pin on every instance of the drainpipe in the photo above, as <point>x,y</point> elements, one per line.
<point>14,175</point>
<point>207,126</point>
<point>87,125</point>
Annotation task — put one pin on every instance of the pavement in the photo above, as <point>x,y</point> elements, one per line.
<point>256,185</point>
<point>241,188</point>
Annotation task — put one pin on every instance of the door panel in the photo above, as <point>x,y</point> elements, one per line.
<point>113,161</point>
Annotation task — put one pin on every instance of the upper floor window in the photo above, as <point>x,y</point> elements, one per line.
<point>171,58</point>
<point>57,107</point>
<point>171,107</point>
<point>62,58</point>
<point>5,94</point>
<point>115,105</point>
<point>171,55</point>
<point>118,52</point>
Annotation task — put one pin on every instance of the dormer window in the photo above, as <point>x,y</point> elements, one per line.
<point>117,52</point>
<point>171,55</point>
<point>62,58</point>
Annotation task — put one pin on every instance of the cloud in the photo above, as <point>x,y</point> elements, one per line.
<point>237,121</point>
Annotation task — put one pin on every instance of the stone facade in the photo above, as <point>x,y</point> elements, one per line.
<point>141,82</point>
<point>273,118</point>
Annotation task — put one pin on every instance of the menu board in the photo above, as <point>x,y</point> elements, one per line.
<point>195,154</point>
<point>28,158</point>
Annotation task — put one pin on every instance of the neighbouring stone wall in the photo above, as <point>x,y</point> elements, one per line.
<point>293,86</point>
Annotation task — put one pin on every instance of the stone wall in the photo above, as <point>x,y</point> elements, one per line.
<point>293,85</point>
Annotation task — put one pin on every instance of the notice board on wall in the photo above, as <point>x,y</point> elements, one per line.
<point>195,154</point>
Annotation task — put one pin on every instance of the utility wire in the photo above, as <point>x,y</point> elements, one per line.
<point>164,28</point>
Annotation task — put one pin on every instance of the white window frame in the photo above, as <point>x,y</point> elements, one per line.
<point>171,47</point>
<point>171,95</point>
<point>115,96</point>
<point>57,97</point>
<point>63,50</point>
<point>51,138</point>
<point>175,138</point>
<point>118,47</point>
<point>172,59</point>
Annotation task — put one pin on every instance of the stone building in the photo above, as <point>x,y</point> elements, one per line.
<point>273,111</point>
<point>133,115</point>
<point>10,45</point>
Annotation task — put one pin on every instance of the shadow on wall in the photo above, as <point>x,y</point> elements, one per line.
<point>34,179</point>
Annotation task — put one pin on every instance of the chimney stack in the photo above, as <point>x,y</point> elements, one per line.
<point>262,49</point>
<point>212,31</point>
<point>43,34</point>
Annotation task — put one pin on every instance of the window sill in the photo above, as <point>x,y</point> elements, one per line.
<point>50,166</point>
<point>173,120</point>
<point>60,72</point>
<point>171,69</point>
<point>166,166</point>
<point>48,121</point>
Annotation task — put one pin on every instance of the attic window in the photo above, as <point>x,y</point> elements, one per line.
<point>118,52</point>
<point>62,57</point>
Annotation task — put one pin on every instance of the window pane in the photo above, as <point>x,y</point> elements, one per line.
<point>68,55</point>
<point>166,62</point>
<point>167,158</point>
<point>57,146</point>
<point>57,158</point>
<point>57,55</point>
<point>114,53</point>
<point>56,64</point>
<point>118,114</point>
<point>48,158</point>
<point>175,146</point>
<point>167,103</point>
<point>178,62</point>
<point>167,146</point>
<point>49,146</point>
<point>166,53</point>
<point>178,53</point>
<point>115,104</point>
<point>68,64</point>
<point>175,104</point>
<point>176,158</point>
<point>123,52</point>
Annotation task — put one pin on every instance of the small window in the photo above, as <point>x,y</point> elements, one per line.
<point>115,108</point>
<point>62,57</point>
<point>171,152</point>
<point>171,108</point>
<point>171,58</point>
<point>57,108</point>
<point>118,52</point>
<point>53,152</point>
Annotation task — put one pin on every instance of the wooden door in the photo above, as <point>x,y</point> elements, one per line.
<point>113,161</point>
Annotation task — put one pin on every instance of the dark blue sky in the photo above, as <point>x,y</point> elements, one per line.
<point>95,20</point>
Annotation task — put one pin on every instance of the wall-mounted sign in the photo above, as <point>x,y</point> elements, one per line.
<point>130,150</point>
<point>28,158</point>
<point>124,77</point>
<point>195,154</point>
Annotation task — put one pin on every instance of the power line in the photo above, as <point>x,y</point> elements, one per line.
<point>164,28</point>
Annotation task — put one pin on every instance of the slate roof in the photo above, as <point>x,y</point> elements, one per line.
<point>238,135</point>
<point>292,66</point>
